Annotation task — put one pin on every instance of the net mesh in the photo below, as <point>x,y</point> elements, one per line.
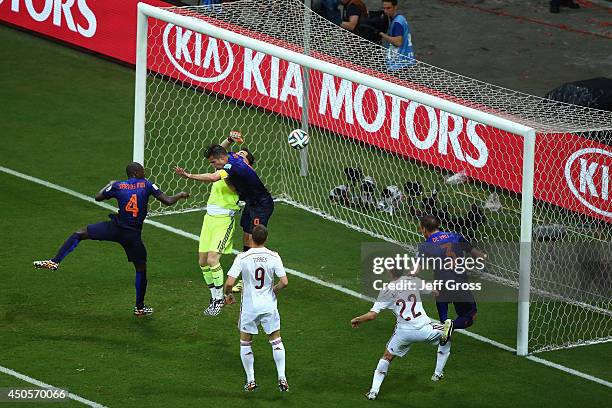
<point>377,162</point>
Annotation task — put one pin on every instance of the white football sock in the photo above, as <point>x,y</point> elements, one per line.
<point>442,357</point>
<point>219,293</point>
<point>278,352</point>
<point>379,374</point>
<point>246,355</point>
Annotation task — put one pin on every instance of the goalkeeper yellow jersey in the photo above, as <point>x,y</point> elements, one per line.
<point>222,200</point>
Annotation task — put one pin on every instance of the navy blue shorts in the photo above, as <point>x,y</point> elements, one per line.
<point>253,215</point>
<point>463,309</point>
<point>129,239</point>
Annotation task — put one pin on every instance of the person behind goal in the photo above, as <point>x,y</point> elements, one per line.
<point>258,266</point>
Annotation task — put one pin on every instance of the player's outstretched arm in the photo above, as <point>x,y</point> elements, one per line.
<point>170,200</point>
<point>100,194</point>
<point>467,246</point>
<point>206,177</point>
<point>234,137</point>
<point>363,318</point>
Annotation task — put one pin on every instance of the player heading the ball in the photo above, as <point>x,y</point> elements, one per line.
<point>236,169</point>
<point>258,267</point>
<point>233,168</point>
<point>125,227</point>
<point>217,230</point>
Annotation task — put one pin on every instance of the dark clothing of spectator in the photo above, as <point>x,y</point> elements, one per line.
<point>556,4</point>
<point>354,8</point>
<point>370,27</point>
<point>328,9</point>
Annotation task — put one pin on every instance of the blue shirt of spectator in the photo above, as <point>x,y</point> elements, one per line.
<point>398,38</point>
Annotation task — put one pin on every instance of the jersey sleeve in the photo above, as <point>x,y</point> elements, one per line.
<point>235,270</point>
<point>110,191</point>
<point>228,170</point>
<point>397,30</point>
<point>153,190</point>
<point>383,302</point>
<point>279,269</point>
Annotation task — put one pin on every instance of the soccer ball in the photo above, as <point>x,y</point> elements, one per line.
<point>298,139</point>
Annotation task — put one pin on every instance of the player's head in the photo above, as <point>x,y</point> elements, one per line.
<point>216,155</point>
<point>260,235</point>
<point>135,170</point>
<point>428,225</point>
<point>390,7</point>
<point>246,154</point>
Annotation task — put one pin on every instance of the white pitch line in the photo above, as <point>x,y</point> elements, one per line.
<point>306,277</point>
<point>569,370</point>
<point>45,385</point>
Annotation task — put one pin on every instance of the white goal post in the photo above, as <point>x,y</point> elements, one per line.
<point>309,62</point>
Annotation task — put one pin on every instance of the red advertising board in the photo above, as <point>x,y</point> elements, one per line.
<point>107,27</point>
<point>571,171</point>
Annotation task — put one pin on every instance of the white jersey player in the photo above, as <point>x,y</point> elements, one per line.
<point>402,295</point>
<point>258,267</point>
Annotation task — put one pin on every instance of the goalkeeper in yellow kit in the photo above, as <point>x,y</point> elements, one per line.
<point>217,230</point>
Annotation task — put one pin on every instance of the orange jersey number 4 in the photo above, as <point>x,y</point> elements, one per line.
<point>132,206</point>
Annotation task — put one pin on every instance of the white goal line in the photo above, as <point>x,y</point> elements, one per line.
<point>301,275</point>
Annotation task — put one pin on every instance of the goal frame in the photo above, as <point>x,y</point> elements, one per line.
<point>306,61</point>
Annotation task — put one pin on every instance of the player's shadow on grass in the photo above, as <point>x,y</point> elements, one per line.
<point>119,332</point>
<point>223,395</point>
<point>84,340</point>
<point>399,385</point>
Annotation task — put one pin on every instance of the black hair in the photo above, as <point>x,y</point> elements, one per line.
<point>133,168</point>
<point>250,156</point>
<point>394,2</point>
<point>215,151</point>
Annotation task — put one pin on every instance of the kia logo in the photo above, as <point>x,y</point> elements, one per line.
<point>593,178</point>
<point>196,56</point>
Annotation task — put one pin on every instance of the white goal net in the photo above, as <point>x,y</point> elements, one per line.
<point>377,161</point>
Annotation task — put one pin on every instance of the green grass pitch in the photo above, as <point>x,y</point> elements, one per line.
<point>67,118</point>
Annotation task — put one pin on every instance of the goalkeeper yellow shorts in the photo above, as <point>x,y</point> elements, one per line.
<point>216,234</point>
